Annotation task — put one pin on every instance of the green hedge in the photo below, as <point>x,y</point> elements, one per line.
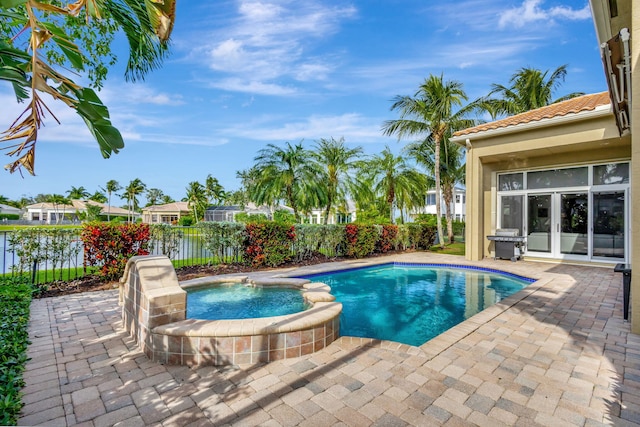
<point>15,298</point>
<point>9,216</point>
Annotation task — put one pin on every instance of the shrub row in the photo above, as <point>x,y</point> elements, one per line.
<point>15,298</point>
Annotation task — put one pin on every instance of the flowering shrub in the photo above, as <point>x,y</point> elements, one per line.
<point>268,243</point>
<point>360,240</point>
<point>110,246</point>
<point>388,238</point>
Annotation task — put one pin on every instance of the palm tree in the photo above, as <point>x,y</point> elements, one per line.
<point>154,195</point>
<point>166,199</point>
<point>99,197</point>
<point>78,193</point>
<point>57,200</point>
<point>135,188</point>
<point>336,162</point>
<point>196,198</point>
<point>430,113</point>
<point>4,200</point>
<point>452,170</point>
<point>395,180</point>
<point>147,26</point>
<point>286,173</point>
<point>214,190</point>
<point>529,89</point>
<point>111,188</point>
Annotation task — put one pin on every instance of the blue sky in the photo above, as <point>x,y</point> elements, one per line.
<point>243,74</point>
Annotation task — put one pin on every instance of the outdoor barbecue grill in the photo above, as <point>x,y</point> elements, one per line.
<point>508,243</point>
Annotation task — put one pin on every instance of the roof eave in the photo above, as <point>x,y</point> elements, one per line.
<point>599,111</point>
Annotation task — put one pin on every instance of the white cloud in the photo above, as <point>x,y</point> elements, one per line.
<point>531,11</point>
<point>354,127</point>
<point>269,42</point>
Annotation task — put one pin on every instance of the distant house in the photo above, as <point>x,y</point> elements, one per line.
<point>336,217</point>
<point>458,205</point>
<point>228,213</point>
<point>6,209</point>
<point>54,213</point>
<point>169,213</point>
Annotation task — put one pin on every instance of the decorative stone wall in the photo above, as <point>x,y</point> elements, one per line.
<point>154,313</point>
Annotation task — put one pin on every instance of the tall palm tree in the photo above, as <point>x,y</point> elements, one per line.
<point>166,199</point>
<point>154,195</point>
<point>529,88</point>
<point>111,188</point>
<point>336,162</point>
<point>452,170</point>
<point>131,193</point>
<point>395,180</point>
<point>57,200</point>
<point>196,199</point>
<point>214,190</point>
<point>431,113</point>
<point>286,173</point>
<point>78,193</point>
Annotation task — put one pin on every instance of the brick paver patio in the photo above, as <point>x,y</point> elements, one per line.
<point>556,354</point>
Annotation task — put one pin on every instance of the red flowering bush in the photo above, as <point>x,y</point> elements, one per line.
<point>360,240</point>
<point>387,239</point>
<point>110,246</point>
<point>268,243</point>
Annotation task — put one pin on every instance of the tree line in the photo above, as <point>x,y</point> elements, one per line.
<point>330,173</point>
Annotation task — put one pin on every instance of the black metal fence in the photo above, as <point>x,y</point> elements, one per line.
<point>57,253</point>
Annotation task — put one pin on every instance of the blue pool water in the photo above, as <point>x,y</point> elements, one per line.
<point>237,301</point>
<point>412,304</point>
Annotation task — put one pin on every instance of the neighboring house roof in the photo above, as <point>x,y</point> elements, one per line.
<point>559,109</point>
<point>169,207</point>
<point>80,205</point>
<point>9,209</point>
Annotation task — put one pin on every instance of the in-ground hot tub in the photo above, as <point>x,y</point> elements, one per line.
<point>154,312</point>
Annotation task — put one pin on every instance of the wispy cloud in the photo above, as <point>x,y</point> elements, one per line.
<point>531,11</point>
<point>271,41</point>
<point>354,127</point>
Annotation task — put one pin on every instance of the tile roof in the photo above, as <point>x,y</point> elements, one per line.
<point>570,106</point>
<point>169,207</point>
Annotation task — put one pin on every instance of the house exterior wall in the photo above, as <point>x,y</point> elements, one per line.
<point>594,140</point>
<point>635,166</point>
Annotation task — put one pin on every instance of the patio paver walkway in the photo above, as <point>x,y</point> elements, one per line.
<point>557,354</point>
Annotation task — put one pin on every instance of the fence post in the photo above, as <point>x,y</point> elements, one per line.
<point>33,272</point>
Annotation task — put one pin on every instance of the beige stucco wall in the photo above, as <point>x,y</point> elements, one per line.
<point>635,170</point>
<point>567,144</point>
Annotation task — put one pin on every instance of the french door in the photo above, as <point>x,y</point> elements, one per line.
<point>576,225</point>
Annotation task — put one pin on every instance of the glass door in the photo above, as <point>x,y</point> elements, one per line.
<point>539,223</point>
<point>574,224</point>
<point>609,224</point>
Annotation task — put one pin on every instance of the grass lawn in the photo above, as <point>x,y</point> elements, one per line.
<point>456,248</point>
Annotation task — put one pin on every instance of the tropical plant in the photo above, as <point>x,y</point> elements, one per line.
<point>430,113</point>
<point>131,193</point>
<point>166,199</point>
<point>78,193</point>
<point>41,26</point>
<point>528,89</point>
<point>196,199</point>
<point>395,180</point>
<point>99,197</point>
<point>286,173</point>
<point>154,196</point>
<point>337,162</point>
<point>111,188</point>
<point>214,191</point>
<point>452,171</point>
<point>56,200</point>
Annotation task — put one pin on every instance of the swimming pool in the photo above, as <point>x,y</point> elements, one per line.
<point>412,303</point>
<point>241,301</point>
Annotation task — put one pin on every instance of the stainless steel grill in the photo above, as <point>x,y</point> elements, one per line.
<point>508,243</point>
